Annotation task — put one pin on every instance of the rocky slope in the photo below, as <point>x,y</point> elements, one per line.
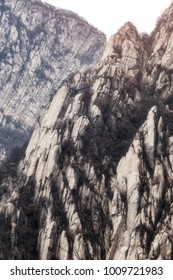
<point>39,47</point>
<point>96,179</point>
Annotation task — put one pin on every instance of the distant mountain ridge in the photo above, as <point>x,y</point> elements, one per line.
<point>40,46</point>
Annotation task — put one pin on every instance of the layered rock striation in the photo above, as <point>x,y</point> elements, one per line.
<point>39,47</point>
<point>96,179</point>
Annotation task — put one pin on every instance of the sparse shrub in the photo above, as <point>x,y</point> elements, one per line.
<point>118,50</point>
<point>67,150</point>
<point>9,165</point>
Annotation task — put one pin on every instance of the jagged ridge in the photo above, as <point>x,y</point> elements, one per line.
<point>98,168</point>
<point>40,45</point>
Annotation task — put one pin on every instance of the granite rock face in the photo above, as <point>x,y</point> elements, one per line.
<point>96,180</point>
<point>39,47</point>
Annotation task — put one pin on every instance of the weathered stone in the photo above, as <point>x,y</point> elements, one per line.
<point>40,46</point>
<point>96,180</point>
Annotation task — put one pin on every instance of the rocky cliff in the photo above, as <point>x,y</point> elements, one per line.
<point>96,179</point>
<point>39,47</point>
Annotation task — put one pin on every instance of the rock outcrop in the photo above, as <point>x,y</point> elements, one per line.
<point>39,47</point>
<point>96,179</point>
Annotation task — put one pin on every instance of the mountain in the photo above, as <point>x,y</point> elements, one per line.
<point>39,47</point>
<point>96,179</point>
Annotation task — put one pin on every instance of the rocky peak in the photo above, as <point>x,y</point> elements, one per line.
<point>158,71</point>
<point>96,179</point>
<point>127,50</point>
<point>127,32</point>
<point>40,46</point>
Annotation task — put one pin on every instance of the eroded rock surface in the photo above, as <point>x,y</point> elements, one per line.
<point>39,47</point>
<point>96,179</point>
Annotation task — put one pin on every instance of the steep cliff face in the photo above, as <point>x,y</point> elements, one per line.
<point>158,76</point>
<point>96,180</point>
<point>39,47</point>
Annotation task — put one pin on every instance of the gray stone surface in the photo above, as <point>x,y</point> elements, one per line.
<point>96,179</point>
<point>39,47</point>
